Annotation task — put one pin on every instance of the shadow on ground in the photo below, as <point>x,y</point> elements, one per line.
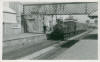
<point>72,42</point>
<point>69,44</point>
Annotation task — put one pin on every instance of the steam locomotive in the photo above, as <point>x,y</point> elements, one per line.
<point>70,28</point>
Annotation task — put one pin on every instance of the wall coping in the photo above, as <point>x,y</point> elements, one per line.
<point>22,36</point>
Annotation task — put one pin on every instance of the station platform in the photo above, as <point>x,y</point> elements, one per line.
<point>84,49</point>
<point>14,42</point>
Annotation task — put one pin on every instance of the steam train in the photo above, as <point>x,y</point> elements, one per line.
<point>71,28</point>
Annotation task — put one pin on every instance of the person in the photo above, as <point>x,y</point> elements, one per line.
<point>44,28</point>
<point>58,31</point>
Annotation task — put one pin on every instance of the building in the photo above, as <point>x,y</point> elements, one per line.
<point>10,22</point>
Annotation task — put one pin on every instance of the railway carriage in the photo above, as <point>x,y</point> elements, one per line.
<point>69,28</point>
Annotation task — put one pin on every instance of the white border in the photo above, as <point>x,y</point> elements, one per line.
<point>1,18</point>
